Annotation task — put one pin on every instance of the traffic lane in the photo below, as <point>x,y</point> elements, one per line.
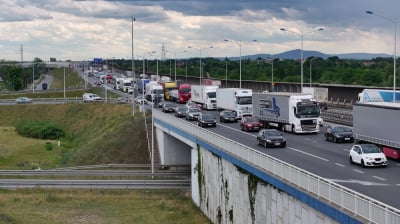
<point>370,181</point>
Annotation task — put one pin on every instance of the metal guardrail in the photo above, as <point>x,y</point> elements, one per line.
<point>338,116</point>
<point>344,198</point>
<point>65,100</point>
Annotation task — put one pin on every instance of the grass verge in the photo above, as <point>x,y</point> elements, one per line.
<point>52,206</point>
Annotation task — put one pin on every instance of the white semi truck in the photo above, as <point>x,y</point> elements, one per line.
<point>125,85</point>
<point>205,96</point>
<point>292,112</point>
<point>235,99</point>
<point>154,90</point>
<point>378,123</point>
<point>378,95</point>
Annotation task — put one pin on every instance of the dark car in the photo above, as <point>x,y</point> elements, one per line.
<point>227,116</point>
<point>271,138</point>
<point>206,120</point>
<point>192,113</point>
<point>168,107</point>
<point>250,124</point>
<point>180,112</point>
<point>338,133</point>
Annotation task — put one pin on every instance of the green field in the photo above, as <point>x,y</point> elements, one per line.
<point>96,133</point>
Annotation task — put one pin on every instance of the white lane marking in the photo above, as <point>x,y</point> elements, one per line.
<point>244,132</point>
<point>358,171</point>
<point>366,183</point>
<point>347,150</point>
<point>379,178</point>
<point>339,164</point>
<point>309,154</point>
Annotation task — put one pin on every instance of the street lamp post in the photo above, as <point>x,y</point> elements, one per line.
<point>200,70</point>
<point>302,42</point>
<point>394,51</point>
<point>133,73</point>
<point>311,70</point>
<point>240,58</point>
<point>33,76</point>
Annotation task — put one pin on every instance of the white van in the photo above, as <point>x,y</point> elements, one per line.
<point>87,97</point>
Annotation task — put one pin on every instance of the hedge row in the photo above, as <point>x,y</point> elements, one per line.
<point>39,129</point>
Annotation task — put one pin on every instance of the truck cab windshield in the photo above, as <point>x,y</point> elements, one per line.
<point>212,95</point>
<point>305,111</point>
<point>185,90</point>
<point>158,91</point>
<point>244,100</point>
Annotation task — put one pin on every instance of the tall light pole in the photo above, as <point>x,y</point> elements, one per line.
<point>302,35</point>
<point>200,70</point>
<point>240,58</point>
<point>33,76</point>
<point>311,69</point>
<point>175,65</point>
<point>394,51</point>
<point>133,73</point>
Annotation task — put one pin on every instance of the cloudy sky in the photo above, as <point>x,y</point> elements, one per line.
<point>84,29</point>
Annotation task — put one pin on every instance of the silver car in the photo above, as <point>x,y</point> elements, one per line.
<point>192,113</point>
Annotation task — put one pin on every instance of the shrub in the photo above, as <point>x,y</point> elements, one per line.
<point>39,129</point>
<point>49,146</point>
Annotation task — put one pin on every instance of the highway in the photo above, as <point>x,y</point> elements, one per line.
<point>325,159</point>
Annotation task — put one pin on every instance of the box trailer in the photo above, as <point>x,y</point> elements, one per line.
<point>378,123</point>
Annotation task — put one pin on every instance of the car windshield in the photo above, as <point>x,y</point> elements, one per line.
<point>230,113</point>
<point>271,133</point>
<point>370,149</point>
<point>342,129</point>
<point>207,117</point>
<point>169,105</point>
<point>193,110</point>
<point>252,119</point>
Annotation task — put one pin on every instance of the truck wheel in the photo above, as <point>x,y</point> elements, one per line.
<point>283,128</point>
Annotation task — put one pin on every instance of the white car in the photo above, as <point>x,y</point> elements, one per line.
<point>367,155</point>
<point>87,97</point>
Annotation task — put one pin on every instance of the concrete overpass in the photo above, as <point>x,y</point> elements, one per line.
<point>233,183</point>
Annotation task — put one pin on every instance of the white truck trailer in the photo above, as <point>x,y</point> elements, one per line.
<point>154,90</point>
<point>235,99</point>
<point>293,112</point>
<point>205,96</point>
<point>378,95</point>
<point>378,123</point>
<point>320,94</point>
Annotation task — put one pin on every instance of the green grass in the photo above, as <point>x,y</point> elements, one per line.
<point>97,133</point>
<point>52,206</point>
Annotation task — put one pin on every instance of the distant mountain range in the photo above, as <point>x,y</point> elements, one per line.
<point>295,54</point>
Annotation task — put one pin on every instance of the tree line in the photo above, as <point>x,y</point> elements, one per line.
<point>333,70</point>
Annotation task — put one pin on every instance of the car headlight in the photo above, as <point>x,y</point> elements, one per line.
<point>268,140</point>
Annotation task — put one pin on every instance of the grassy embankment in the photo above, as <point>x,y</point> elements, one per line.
<point>97,133</point>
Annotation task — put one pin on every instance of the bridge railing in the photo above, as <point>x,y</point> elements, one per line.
<point>344,198</point>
